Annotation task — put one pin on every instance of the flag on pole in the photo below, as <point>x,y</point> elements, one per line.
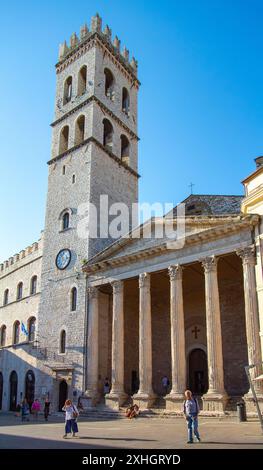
<point>24,330</point>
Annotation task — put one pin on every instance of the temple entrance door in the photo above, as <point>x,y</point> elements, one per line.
<point>1,389</point>
<point>13,391</point>
<point>30,387</point>
<point>198,375</point>
<point>63,394</point>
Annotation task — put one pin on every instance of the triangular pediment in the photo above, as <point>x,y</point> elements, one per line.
<point>195,228</point>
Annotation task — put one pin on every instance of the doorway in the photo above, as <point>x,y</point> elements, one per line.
<point>198,374</point>
<point>1,389</point>
<point>63,394</point>
<point>13,391</point>
<point>30,387</point>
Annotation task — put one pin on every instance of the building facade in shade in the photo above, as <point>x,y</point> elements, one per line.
<point>77,309</point>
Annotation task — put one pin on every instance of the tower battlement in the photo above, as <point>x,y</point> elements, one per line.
<point>105,35</point>
<point>14,261</point>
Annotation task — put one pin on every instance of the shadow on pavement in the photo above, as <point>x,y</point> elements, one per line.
<point>116,438</point>
<point>8,441</point>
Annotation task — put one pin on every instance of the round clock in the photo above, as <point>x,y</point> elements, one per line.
<point>63,259</point>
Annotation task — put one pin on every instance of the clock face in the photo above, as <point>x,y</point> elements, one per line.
<point>63,259</point>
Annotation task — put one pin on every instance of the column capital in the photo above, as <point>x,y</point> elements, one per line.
<point>117,287</point>
<point>209,263</point>
<point>93,292</point>
<point>247,254</point>
<point>144,280</point>
<point>175,272</point>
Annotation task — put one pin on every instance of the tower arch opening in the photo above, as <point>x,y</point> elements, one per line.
<point>107,134</point>
<point>67,90</point>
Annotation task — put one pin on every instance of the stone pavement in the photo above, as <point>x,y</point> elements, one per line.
<point>141,433</point>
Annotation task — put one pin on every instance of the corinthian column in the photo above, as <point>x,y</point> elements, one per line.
<point>252,316</point>
<point>174,399</point>
<point>216,398</point>
<point>145,396</point>
<point>92,347</point>
<point>117,397</point>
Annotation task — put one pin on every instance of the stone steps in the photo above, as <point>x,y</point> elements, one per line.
<point>159,413</point>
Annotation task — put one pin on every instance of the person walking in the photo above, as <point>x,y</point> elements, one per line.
<point>70,418</point>
<point>35,408</point>
<point>165,384</point>
<point>191,410</point>
<point>106,386</point>
<point>25,410</point>
<point>46,409</point>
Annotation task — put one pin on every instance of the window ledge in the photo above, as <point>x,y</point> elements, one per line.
<point>65,230</point>
<point>20,300</point>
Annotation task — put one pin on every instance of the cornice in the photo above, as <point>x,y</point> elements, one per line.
<point>195,220</point>
<point>103,107</point>
<point>101,147</point>
<point>88,43</point>
<point>195,238</point>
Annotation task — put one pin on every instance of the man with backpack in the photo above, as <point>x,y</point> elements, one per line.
<point>191,410</point>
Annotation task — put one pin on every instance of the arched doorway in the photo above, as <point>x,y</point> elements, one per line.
<point>30,387</point>
<point>1,389</point>
<point>13,391</point>
<point>63,394</point>
<point>198,375</point>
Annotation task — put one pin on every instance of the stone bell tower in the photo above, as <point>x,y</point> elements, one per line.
<point>94,153</point>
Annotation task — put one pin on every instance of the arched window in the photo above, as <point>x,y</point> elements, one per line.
<point>16,331</point>
<point>67,90</point>
<point>33,285</point>
<point>109,84</point>
<point>65,221</point>
<point>107,134</point>
<point>79,130</point>
<point>3,336</point>
<point>19,294</point>
<point>125,149</point>
<point>62,343</point>
<point>6,297</point>
<point>73,299</point>
<point>63,139</point>
<point>125,101</point>
<point>31,329</point>
<point>82,80</point>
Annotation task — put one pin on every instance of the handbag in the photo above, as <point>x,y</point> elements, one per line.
<point>75,413</point>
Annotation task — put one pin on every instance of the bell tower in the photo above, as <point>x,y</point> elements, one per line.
<point>93,154</point>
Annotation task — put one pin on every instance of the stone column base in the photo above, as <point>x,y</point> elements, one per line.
<point>250,403</point>
<point>144,400</point>
<point>215,402</point>
<point>115,400</point>
<point>89,400</point>
<point>174,401</point>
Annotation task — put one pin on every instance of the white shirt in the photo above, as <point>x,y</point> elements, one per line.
<point>69,411</point>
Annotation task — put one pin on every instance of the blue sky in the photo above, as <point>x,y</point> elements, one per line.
<point>200,103</point>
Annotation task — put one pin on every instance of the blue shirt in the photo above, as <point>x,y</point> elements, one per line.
<point>191,407</point>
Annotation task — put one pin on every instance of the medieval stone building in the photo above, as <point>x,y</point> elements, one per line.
<point>76,309</point>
